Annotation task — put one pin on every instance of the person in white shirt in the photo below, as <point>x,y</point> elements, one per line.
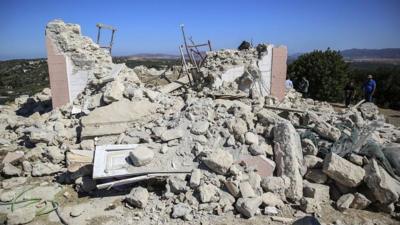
<point>289,84</point>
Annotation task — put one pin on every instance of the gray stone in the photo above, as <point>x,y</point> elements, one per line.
<point>200,127</point>
<point>369,111</point>
<point>172,134</point>
<point>218,161</point>
<point>113,92</point>
<point>226,201</point>
<point>343,171</point>
<point>289,158</point>
<point>248,207</point>
<point>344,202</point>
<point>255,149</point>
<point>274,184</point>
<point>181,210</point>
<point>13,182</point>
<point>141,155</point>
<point>10,170</point>
<point>270,210</point>
<point>309,205</point>
<point>21,216</point>
<point>13,157</point>
<point>246,190</point>
<point>384,188</point>
<point>251,138</point>
<point>356,159</point>
<point>138,197</point>
<point>232,187</point>
<point>319,192</point>
<point>177,185</point>
<point>208,193</point>
<point>54,154</point>
<point>271,199</point>
<point>44,169</point>
<point>27,167</point>
<point>87,144</point>
<point>360,201</point>
<point>308,147</point>
<point>195,178</point>
<point>327,131</point>
<point>312,162</point>
<point>316,176</point>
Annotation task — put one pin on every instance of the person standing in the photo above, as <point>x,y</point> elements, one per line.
<point>289,84</point>
<point>369,88</point>
<point>349,92</point>
<point>304,86</point>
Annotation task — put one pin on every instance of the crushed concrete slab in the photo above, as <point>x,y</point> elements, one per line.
<point>343,171</point>
<point>218,161</point>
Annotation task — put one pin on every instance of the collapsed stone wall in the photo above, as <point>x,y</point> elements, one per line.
<point>255,72</point>
<point>79,68</point>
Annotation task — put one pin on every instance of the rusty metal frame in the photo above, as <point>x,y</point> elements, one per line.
<point>113,30</point>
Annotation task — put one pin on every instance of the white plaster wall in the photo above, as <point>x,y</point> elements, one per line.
<point>76,81</point>
<point>230,75</point>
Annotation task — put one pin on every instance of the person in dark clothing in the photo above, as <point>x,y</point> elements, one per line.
<point>369,88</point>
<point>303,86</point>
<point>349,92</point>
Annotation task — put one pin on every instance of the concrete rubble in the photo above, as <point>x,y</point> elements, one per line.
<point>244,156</point>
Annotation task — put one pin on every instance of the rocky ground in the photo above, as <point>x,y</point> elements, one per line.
<point>251,159</point>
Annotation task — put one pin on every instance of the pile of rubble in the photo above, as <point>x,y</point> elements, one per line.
<point>247,156</point>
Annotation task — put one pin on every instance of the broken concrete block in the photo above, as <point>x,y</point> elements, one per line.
<point>312,162</point>
<point>138,197</point>
<point>251,138</point>
<point>248,207</point>
<point>233,188</point>
<point>43,169</point>
<point>54,154</point>
<point>308,147</point>
<point>141,155</point>
<point>316,176</point>
<point>270,210</point>
<point>289,158</point>
<point>87,145</point>
<point>113,92</point>
<point>10,170</point>
<point>181,210</point>
<point>177,185</point>
<point>218,161</point>
<point>200,127</point>
<point>309,205</point>
<point>344,202</point>
<point>356,159</point>
<point>13,156</point>
<point>263,165</point>
<point>208,193</point>
<point>271,199</point>
<point>384,188</point>
<point>276,185</point>
<point>195,178</point>
<point>172,134</point>
<point>360,201</point>
<point>246,190</point>
<point>343,171</point>
<point>319,192</point>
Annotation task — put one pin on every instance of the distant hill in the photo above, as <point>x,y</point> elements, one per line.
<point>385,55</point>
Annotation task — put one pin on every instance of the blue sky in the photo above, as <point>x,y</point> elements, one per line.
<point>150,26</point>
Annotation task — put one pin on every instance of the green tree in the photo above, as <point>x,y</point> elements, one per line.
<point>326,71</point>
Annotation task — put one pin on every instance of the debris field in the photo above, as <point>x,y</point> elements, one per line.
<point>185,154</point>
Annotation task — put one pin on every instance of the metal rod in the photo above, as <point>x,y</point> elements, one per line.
<point>98,35</point>
<point>209,45</point>
<point>185,42</point>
